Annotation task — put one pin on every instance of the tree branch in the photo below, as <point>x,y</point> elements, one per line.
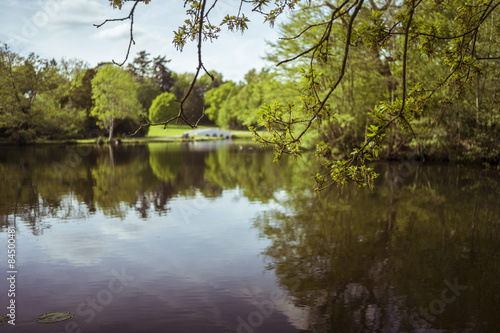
<point>131,41</point>
<point>325,36</point>
<point>181,115</point>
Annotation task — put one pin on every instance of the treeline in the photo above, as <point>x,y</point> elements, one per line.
<point>57,100</point>
<point>68,99</point>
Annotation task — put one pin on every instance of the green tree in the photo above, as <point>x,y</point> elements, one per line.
<point>220,108</point>
<point>194,105</point>
<point>34,97</point>
<point>80,95</point>
<point>115,97</point>
<point>238,105</point>
<point>165,106</point>
<point>53,120</point>
<point>14,107</point>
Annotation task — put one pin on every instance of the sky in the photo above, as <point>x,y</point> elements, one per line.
<point>65,29</point>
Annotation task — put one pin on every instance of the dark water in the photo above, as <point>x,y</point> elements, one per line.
<point>213,237</point>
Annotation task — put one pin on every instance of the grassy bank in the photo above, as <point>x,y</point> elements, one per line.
<point>172,130</point>
<point>173,133</point>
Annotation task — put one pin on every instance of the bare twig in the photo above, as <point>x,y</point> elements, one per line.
<point>131,41</point>
<point>181,115</point>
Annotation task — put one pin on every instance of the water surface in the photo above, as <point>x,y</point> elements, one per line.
<point>214,237</point>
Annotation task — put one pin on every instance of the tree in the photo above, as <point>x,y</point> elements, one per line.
<point>13,107</point>
<point>140,67</point>
<point>163,107</point>
<point>54,119</point>
<point>80,95</point>
<point>193,104</point>
<point>219,105</point>
<point>34,97</point>
<point>114,94</point>
<point>162,76</point>
<point>395,34</point>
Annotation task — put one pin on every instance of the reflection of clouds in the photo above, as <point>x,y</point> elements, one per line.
<point>128,230</point>
<point>297,316</point>
<point>78,249</point>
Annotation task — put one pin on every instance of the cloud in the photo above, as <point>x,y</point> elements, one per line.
<point>115,32</point>
<point>65,28</point>
<point>73,14</point>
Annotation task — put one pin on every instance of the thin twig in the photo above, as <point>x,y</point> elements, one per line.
<point>131,41</point>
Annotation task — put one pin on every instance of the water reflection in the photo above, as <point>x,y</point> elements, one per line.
<point>47,182</point>
<point>421,254</point>
<point>418,254</point>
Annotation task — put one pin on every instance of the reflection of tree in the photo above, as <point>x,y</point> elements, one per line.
<point>120,177</point>
<point>253,172</point>
<point>23,197</point>
<point>73,182</point>
<point>368,261</point>
<point>165,161</point>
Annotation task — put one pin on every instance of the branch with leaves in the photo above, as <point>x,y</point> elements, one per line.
<point>288,124</point>
<point>396,32</point>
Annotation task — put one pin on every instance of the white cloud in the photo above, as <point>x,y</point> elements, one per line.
<point>121,31</point>
<point>77,14</point>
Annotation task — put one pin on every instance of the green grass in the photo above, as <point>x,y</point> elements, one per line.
<point>243,134</point>
<point>178,130</point>
<point>171,130</point>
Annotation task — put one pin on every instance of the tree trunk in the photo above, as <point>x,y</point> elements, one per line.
<point>111,126</point>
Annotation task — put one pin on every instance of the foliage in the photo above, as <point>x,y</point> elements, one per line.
<point>35,98</point>
<point>237,105</point>
<point>54,317</point>
<point>54,120</point>
<point>194,107</point>
<point>80,94</point>
<point>163,107</point>
<point>222,105</point>
<point>410,54</point>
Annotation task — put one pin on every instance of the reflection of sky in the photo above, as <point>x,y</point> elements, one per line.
<point>197,268</point>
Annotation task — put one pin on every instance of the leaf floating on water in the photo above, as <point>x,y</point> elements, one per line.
<point>54,317</point>
<point>3,320</point>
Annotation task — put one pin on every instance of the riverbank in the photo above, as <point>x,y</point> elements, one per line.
<point>173,133</point>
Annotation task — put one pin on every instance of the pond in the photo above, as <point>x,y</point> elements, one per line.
<point>215,237</point>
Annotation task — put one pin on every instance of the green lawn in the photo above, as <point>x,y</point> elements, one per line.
<point>171,130</point>
<point>178,130</point>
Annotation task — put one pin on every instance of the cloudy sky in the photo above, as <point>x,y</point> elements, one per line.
<point>64,28</point>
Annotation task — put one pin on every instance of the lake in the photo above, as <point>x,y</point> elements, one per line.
<point>215,237</point>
